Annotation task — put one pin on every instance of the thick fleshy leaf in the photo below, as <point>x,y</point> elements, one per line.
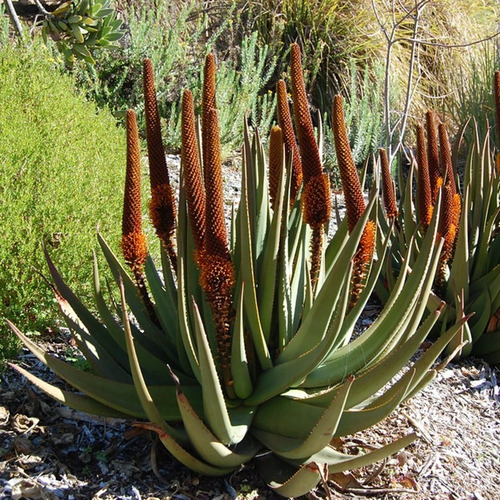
<point>119,396</point>
<point>243,385</point>
<point>247,275</point>
<point>136,306</point>
<point>388,326</point>
<point>182,455</point>
<point>315,324</point>
<point>214,405</point>
<point>207,445</point>
<point>287,480</point>
<point>320,435</point>
<point>78,402</point>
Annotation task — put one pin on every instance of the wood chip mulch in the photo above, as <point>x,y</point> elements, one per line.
<point>50,452</point>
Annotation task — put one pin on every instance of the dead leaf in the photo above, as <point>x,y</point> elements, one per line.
<point>344,480</point>
<point>23,424</point>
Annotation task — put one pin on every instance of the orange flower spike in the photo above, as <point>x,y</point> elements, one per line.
<point>309,152</point>
<point>162,206</point>
<point>432,151</point>
<point>391,209</point>
<point>448,228</point>
<point>423,181</point>
<point>216,241</point>
<point>353,194</point>
<point>496,92</point>
<point>291,148</point>
<point>316,207</point>
<point>134,245</point>
<point>362,260</point>
<point>275,162</point>
<point>191,168</point>
<point>445,149</point>
<point>208,100</point>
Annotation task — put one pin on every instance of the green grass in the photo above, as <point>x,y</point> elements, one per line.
<point>61,173</point>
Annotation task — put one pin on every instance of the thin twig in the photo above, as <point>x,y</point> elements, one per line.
<point>41,8</point>
<point>445,45</point>
<point>15,19</point>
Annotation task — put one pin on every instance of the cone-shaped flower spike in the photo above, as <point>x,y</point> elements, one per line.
<point>162,205</point>
<point>193,179</point>
<point>134,246</point>
<point>133,243</point>
<point>316,202</point>
<point>353,195</point>
<point>423,181</point>
<point>243,360</point>
<point>291,148</point>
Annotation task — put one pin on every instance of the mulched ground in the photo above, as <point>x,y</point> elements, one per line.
<point>49,452</point>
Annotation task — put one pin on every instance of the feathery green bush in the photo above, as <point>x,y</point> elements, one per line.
<point>61,161</point>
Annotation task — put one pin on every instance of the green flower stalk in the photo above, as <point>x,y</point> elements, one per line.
<point>162,205</point>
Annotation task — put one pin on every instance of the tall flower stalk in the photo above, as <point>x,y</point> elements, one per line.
<point>162,206</point>
<point>193,177</point>
<point>354,200</point>
<point>206,212</point>
<point>133,243</point>
<point>316,200</point>
<point>291,147</point>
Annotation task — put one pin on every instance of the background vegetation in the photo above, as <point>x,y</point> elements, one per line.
<point>61,173</point>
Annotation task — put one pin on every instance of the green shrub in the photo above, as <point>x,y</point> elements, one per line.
<point>61,162</point>
<point>177,44</point>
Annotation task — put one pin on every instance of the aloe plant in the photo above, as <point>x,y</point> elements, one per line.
<point>243,342</point>
<point>469,263</point>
